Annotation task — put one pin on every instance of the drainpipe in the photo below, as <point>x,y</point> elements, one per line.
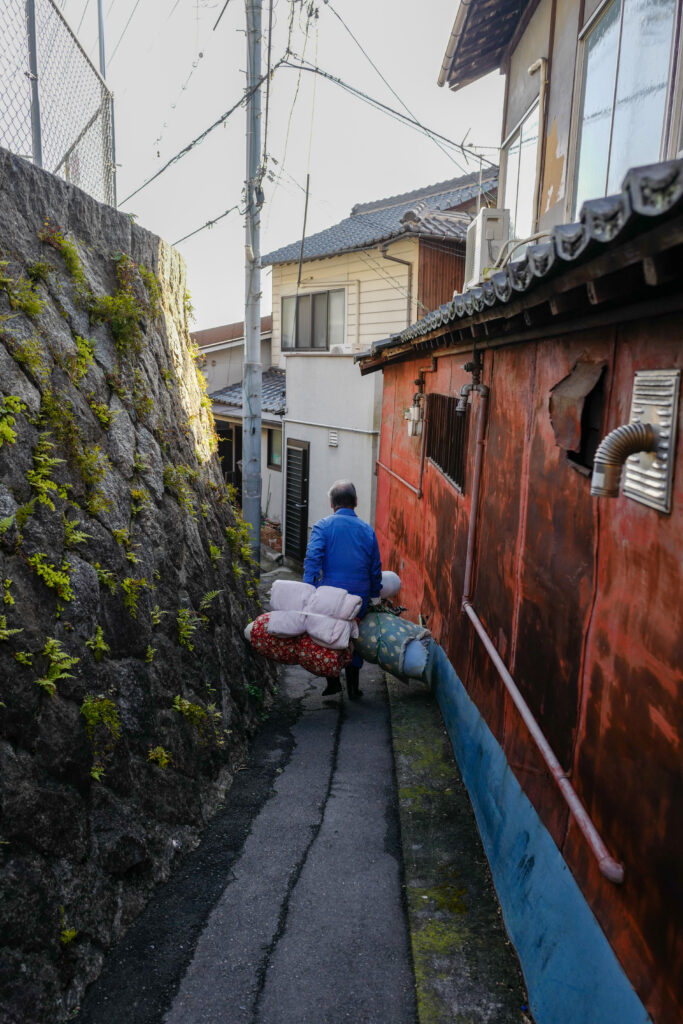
<point>425,420</point>
<point>609,867</point>
<point>613,451</point>
<point>540,65</point>
<point>409,265</point>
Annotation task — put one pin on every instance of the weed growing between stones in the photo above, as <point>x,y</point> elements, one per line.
<point>5,632</point>
<point>52,236</point>
<point>42,484</point>
<point>162,758</point>
<point>98,644</point>
<point>176,481</point>
<point>73,535</point>
<point>58,580</point>
<point>67,935</point>
<point>29,353</point>
<point>58,665</point>
<point>10,408</point>
<point>21,293</point>
<point>7,596</point>
<point>103,729</point>
<point>192,713</point>
<point>76,366</point>
<point>106,578</point>
<point>132,589</point>
<point>156,615</point>
<point>187,624</point>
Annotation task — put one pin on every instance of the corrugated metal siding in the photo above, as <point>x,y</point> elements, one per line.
<point>440,274</point>
<point>582,599</point>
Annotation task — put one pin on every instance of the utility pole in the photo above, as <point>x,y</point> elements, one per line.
<point>251,439</point>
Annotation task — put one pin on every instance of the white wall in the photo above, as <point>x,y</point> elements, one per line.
<point>223,366</point>
<point>271,484</point>
<point>326,392</point>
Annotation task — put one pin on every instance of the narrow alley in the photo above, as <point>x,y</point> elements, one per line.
<point>293,909</point>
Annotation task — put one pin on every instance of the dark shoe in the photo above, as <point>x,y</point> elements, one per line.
<point>352,675</point>
<point>333,686</point>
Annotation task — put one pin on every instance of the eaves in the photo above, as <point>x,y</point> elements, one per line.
<point>623,261</point>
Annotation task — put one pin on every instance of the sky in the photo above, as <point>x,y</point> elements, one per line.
<point>173,73</point>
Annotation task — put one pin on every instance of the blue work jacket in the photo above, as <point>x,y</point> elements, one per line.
<point>343,552</point>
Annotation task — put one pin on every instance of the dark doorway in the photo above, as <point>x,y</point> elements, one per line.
<point>296,505</point>
<point>230,452</point>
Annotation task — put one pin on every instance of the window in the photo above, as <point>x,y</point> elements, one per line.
<point>520,175</point>
<point>447,437</point>
<point>624,93</point>
<point>319,320</point>
<point>275,449</point>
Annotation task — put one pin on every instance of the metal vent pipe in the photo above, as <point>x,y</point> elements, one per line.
<point>613,451</point>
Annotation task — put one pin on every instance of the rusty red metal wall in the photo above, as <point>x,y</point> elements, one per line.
<point>582,598</point>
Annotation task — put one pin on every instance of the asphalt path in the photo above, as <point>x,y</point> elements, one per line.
<point>292,909</point>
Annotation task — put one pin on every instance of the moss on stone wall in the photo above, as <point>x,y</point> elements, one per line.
<point>119,610</point>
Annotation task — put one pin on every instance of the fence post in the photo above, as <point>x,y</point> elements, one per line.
<point>33,68</point>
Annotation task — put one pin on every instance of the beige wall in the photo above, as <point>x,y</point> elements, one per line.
<point>523,87</point>
<point>553,198</point>
<point>379,287</point>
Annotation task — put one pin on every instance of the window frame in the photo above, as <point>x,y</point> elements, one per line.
<point>270,431</point>
<point>297,297</point>
<point>443,465</point>
<point>673,108</point>
<point>505,148</point>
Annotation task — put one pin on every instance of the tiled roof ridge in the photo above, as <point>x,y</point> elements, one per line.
<point>648,193</point>
<point>428,191</point>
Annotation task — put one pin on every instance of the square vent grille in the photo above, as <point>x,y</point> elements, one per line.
<point>648,476</point>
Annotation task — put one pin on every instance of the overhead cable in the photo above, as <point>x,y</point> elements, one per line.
<point>125,29</point>
<point>305,65</point>
<point>209,224</point>
<point>200,138</point>
<point>388,85</point>
<point>225,7</point>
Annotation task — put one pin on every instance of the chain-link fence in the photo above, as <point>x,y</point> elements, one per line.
<point>54,107</point>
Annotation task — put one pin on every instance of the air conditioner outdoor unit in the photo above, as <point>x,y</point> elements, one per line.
<point>486,236</point>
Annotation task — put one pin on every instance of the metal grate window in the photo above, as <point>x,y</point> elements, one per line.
<point>447,437</point>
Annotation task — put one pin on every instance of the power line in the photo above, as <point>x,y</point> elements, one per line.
<point>200,138</point>
<point>85,10</point>
<point>305,65</point>
<point>125,29</point>
<point>209,224</point>
<point>225,7</point>
<point>389,87</point>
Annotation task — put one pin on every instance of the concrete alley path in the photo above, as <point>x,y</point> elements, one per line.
<point>291,910</point>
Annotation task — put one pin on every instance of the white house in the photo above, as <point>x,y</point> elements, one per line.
<point>369,276</point>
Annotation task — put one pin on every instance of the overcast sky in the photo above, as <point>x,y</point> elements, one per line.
<point>173,75</point>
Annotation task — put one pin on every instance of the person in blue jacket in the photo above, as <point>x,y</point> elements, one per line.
<point>343,552</point>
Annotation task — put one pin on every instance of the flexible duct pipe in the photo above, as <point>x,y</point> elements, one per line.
<point>613,452</point>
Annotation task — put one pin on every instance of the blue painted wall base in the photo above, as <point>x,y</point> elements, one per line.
<point>571,972</point>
